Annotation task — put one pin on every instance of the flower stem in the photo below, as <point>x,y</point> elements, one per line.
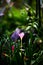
<point>21,43</point>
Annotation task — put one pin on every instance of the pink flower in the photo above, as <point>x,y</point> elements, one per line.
<point>13,48</point>
<point>21,35</point>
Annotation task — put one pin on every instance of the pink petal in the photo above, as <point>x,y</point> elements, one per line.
<point>21,35</point>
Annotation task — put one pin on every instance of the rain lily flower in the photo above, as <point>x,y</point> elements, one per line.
<point>15,35</point>
<point>13,48</point>
<point>21,35</point>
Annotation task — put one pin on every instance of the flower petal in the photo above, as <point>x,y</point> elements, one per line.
<point>15,35</point>
<point>21,35</point>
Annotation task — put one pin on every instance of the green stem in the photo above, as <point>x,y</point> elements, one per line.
<point>21,43</point>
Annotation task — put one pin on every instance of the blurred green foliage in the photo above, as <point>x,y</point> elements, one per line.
<point>17,18</point>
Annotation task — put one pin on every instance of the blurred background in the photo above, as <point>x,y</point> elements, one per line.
<point>13,13</point>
